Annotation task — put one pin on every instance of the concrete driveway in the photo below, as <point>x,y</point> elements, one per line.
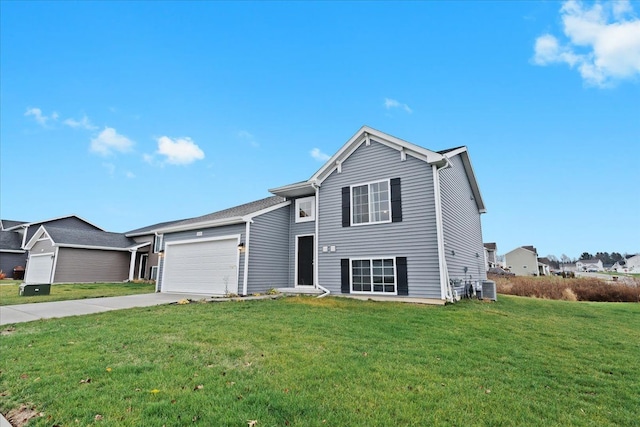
<point>48,310</point>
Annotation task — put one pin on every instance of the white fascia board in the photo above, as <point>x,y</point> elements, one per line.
<point>141,245</point>
<point>41,230</point>
<point>204,224</point>
<point>249,217</point>
<point>361,136</point>
<point>466,161</point>
<point>13,251</point>
<point>294,190</point>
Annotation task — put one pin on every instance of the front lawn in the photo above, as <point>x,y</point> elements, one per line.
<point>302,361</point>
<point>9,294</point>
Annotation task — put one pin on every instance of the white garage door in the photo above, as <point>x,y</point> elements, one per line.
<point>39,269</point>
<point>201,267</point>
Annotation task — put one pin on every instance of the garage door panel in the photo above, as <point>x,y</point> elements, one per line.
<point>206,267</point>
<point>39,269</point>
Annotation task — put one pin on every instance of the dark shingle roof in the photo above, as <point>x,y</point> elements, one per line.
<point>491,246</point>
<point>10,240</point>
<point>449,149</point>
<point>236,211</point>
<point>89,238</point>
<point>151,228</point>
<point>530,248</point>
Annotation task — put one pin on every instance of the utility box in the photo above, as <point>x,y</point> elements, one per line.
<point>31,290</point>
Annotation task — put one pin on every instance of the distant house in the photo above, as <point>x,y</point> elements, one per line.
<point>522,261</point>
<point>490,250</point>
<point>69,255</point>
<point>633,264</point>
<point>568,267</point>
<point>12,254</point>
<point>589,265</point>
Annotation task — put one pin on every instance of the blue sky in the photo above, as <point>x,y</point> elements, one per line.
<point>132,113</point>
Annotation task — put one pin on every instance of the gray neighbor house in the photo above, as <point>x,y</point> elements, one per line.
<point>382,217</point>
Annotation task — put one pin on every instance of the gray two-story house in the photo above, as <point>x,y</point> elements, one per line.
<point>382,217</point>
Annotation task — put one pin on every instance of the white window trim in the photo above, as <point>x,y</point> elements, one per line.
<point>371,259</point>
<point>310,218</point>
<point>154,268</point>
<point>354,224</point>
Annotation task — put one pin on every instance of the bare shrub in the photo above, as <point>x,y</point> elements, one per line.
<point>568,289</point>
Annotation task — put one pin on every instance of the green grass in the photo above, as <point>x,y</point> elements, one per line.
<point>9,293</point>
<point>303,361</point>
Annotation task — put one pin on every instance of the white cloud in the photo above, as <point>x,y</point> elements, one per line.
<point>319,155</point>
<point>603,42</point>
<point>39,117</point>
<point>129,175</point>
<point>83,123</point>
<point>392,103</point>
<point>109,141</point>
<point>180,151</point>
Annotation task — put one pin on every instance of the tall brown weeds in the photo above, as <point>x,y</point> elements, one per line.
<point>577,289</point>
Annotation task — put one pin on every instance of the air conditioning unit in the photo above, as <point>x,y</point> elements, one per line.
<point>489,290</point>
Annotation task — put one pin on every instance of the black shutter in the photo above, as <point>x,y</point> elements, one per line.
<point>396,201</point>
<point>346,206</point>
<point>344,275</point>
<point>401,273</point>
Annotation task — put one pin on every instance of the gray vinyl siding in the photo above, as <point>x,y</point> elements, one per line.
<point>297,229</point>
<point>206,232</point>
<point>415,237</point>
<point>521,262</point>
<point>91,265</point>
<point>10,260</point>
<point>463,246</point>
<point>268,251</point>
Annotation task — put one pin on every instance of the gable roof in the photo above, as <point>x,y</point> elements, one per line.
<point>10,241</point>
<point>526,248</point>
<point>29,224</point>
<point>589,261</point>
<point>491,246</point>
<point>235,215</point>
<point>363,135</point>
<point>530,248</point>
<point>366,134</point>
<point>88,239</point>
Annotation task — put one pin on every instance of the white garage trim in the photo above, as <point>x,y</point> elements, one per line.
<point>208,266</point>
<point>39,268</point>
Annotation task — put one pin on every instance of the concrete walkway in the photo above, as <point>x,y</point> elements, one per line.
<point>48,310</point>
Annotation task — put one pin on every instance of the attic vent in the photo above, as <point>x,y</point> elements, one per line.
<point>489,290</point>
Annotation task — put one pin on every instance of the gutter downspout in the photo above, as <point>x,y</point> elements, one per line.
<point>316,244</point>
<point>445,286</point>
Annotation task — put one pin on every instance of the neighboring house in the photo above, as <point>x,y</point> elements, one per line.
<point>522,261</point>
<point>544,266</point>
<point>26,230</point>
<point>12,254</point>
<point>68,255</point>
<point>490,250</point>
<point>147,257</point>
<point>381,217</point>
<point>631,264</point>
<point>568,267</point>
<point>589,265</point>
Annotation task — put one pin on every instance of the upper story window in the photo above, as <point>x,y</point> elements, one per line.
<point>370,203</point>
<point>157,243</point>
<point>306,209</point>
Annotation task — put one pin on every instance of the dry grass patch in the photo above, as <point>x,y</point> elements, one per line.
<point>569,289</point>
